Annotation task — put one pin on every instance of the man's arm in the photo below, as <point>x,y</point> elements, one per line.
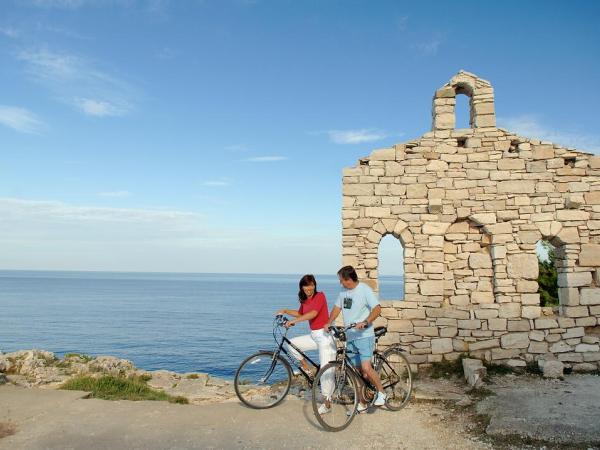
<point>375,312</point>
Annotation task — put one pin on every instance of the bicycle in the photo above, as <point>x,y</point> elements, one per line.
<point>344,383</point>
<point>263,379</point>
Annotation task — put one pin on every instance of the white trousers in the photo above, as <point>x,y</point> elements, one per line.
<point>322,341</point>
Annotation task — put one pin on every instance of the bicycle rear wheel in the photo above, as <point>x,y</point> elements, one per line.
<point>396,378</point>
<point>335,383</point>
<point>262,380</point>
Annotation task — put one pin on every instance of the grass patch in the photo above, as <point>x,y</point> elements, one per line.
<point>192,376</point>
<point>447,369</point>
<point>497,369</point>
<point>480,393</point>
<point>81,356</point>
<point>119,388</point>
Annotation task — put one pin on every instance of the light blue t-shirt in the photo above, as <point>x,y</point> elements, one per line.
<point>356,305</point>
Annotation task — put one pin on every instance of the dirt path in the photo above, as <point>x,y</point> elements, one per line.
<point>47,419</point>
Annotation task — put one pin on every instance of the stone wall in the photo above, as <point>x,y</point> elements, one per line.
<point>469,206</point>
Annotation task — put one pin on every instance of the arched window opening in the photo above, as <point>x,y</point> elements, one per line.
<point>463,111</point>
<point>547,278</point>
<point>391,269</point>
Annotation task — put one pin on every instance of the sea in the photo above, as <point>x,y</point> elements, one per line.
<point>184,322</point>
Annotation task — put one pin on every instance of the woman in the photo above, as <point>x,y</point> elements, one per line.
<point>313,307</point>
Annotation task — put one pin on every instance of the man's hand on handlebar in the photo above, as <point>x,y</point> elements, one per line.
<point>361,325</point>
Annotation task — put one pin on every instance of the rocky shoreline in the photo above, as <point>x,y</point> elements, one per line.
<point>43,369</point>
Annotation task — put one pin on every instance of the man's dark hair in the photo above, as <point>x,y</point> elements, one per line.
<point>348,273</point>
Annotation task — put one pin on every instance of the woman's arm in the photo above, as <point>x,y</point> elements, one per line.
<point>299,318</point>
<point>289,312</point>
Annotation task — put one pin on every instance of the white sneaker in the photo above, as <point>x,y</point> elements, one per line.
<point>359,409</point>
<point>323,409</point>
<point>380,400</point>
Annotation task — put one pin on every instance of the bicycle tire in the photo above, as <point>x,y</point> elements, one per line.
<point>262,381</point>
<point>396,378</point>
<point>344,396</point>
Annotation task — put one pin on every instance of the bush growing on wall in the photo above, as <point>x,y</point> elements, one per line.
<point>547,279</point>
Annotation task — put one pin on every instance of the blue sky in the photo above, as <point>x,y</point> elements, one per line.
<point>210,136</point>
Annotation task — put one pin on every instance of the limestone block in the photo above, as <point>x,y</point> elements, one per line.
<point>544,186</point>
<point>400,227</point>
<point>509,310</point>
<point>442,345</point>
<point>544,324</point>
<point>482,219</point>
<point>426,331</point>
<point>484,108</point>
<point>483,345</point>
<point>393,169</point>
<point>474,371</point>
<point>590,296</point>
<point>401,326</point>
<point>511,164</point>
<point>575,311</point>
<point>433,267</point>
<point>574,279</point>
<point>527,286</point>
<point>560,347</point>
<point>576,186</point>
<point>379,212</point>
<point>416,191</point>
<point>592,198</point>
<point>499,228</point>
<point>574,201</point>
<point>437,165</point>
<point>551,369</point>
<point>568,296</point>
<point>594,162</point>
<point>435,206</point>
<point>358,189</point>
<point>530,299</point>
<point>538,347</point>
<point>531,312</point>
<point>480,261</point>
<point>435,228</point>
<point>590,255</point>
<point>516,187</point>
<point>515,340</point>
<point>477,174</point>
<point>431,287</point>
<point>487,120</point>
<point>529,236</point>
<point>584,348</point>
<point>568,235</point>
<point>497,324</point>
<point>448,331</point>
<point>469,324</point>
<point>523,265</point>
<point>384,154</point>
<point>542,152</point>
<point>374,236</point>
<point>537,335</point>
<point>570,214</point>
<point>482,297</point>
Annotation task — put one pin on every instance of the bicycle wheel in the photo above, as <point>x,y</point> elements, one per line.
<point>262,381</point>
<point>337,383</point>
<point>396,378</point>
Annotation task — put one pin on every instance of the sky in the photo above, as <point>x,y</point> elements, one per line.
<point>210,136</point>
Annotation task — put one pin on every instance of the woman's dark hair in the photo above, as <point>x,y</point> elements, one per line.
<point>306,280</point>
<point>348,273</point>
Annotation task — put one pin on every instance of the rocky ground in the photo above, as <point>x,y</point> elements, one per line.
<point>507,411</point>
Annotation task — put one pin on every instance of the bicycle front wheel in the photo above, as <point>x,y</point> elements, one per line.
<point>263,380</point>
<point>396,378</point>
<point>334,387</point>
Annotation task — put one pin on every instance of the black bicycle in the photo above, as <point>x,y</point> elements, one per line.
<point>340,386</point>
<point>264,379</point>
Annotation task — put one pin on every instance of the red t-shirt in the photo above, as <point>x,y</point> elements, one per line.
<point>318,303</point>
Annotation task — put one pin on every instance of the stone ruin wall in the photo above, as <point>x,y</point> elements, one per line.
<point>468,207</point>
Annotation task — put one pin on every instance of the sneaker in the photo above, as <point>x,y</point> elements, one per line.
<point>380,400</point>
<point>323,409</point>
<point>359,409</point>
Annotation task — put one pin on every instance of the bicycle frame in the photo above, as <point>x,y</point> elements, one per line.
<point>291,360</point>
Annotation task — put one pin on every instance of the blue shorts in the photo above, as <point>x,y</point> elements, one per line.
<point>360,350</point>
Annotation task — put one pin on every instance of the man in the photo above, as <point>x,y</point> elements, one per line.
<point>358,304</point>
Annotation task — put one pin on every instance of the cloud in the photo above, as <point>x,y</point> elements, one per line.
<point>266,159</point>
<point>9,32</point>
<point>115,194</point>
<point>20,119</point>
<point>216,183</point>
<point>78,82</point>
<point>100,108</point>
<point>429,47</point>
<point>401,23</point>
<point>530,125</point>
<point>356,136</point>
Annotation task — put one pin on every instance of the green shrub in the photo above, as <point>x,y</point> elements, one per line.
<point>548,277</point>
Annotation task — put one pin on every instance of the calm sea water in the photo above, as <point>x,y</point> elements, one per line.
<point>181,322</point>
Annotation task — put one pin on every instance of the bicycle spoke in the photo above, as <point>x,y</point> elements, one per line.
<point>335,388</point>
<point>262,381</point>
<point>396,378</point>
